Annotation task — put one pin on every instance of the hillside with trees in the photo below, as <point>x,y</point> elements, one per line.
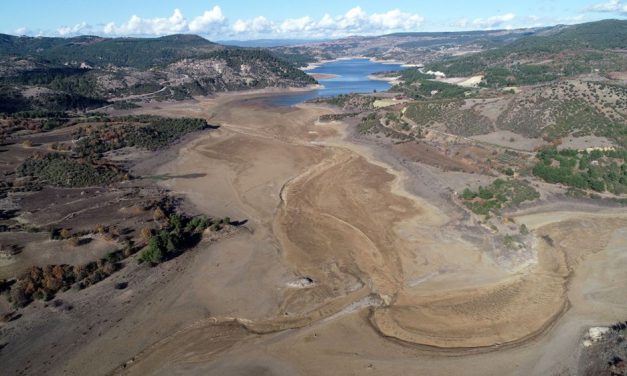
<point>84,72</point>
<point>563,51</point>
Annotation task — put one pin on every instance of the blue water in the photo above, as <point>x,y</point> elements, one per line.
<point>352,77</point>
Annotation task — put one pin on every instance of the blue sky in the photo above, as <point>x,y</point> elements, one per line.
<point>238,19</point>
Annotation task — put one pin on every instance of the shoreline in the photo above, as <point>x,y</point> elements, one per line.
<point>395,80</point>
<point>323,76</point>
<point>262,93</point>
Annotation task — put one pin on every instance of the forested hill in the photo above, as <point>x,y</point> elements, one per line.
<point>84,71</point>
<point>559,51</point>
<point>411,47</point>
<point>97,51</point>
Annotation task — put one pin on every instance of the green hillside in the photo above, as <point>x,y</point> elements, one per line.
<point>96,51</point>
<point>174,67</point>
<point>561,51</point>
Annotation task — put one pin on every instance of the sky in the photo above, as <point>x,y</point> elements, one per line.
<point>293,19</point>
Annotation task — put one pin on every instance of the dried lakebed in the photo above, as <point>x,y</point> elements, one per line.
<point>384,264</point>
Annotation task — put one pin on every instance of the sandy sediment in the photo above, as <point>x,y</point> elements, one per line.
<point>323,76</point>
<point>394,80</point>
<point>322,207</point>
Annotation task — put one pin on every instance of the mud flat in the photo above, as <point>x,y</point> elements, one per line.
<point>394,278</point>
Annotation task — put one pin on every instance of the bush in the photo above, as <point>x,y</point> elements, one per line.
<point>59,170</point>
<point>149,132</point>
<point>154,252</point>
<point>181,233</point>
<point>598,170</point>
<point>120,285</point>
<point>499,194</point>
<point>369,123</point>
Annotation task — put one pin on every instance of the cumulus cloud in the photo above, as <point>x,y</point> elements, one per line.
<point>208,21</point>
<point>297,25</point>
<point>354,21</point>
<point>79,28</point>
<point>214,23</point>
<point>258,25</point>
<point>22,31</point>
<point>136,25</point>
<point>395,19</point>
<point>611,6</point>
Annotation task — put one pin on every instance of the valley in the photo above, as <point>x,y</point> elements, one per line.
<point>468,222</point>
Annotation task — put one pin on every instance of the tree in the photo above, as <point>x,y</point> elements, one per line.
<point>597,185</point>
<point>467,194</point>
<point>153,253</point>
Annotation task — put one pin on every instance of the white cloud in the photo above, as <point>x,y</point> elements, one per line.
<point>357,21</point>
<point>297,25</point>
<point>208,21</point>
<point>214,23</point>
<point>354,21</point>
<point>395,19</point>
<point>491,22</point>
<point>79,28</point>
<point>611,6</point>
<point>22,31</point>
<point>258,25</point>
<point>136,25</point>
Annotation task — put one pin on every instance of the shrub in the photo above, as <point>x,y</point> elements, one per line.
<point>146,233</point>
<point>120,285</point>
<point>59,170</point>
<point>158,214</point>
<point>598,170</point>
<point>499,194</point>
<point>54,233</point>
<point>468,194</point>
<point>181,232</point>
<point>64,233</point>
<point>75,241</point>
<point>154,252</point>
<point>19,296</point>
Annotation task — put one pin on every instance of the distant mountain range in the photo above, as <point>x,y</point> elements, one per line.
<point>554,52</point>
<point>416,47</point>
<point>84,71</point>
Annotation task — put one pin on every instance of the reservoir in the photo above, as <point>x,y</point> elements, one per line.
<point>350,76</point>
